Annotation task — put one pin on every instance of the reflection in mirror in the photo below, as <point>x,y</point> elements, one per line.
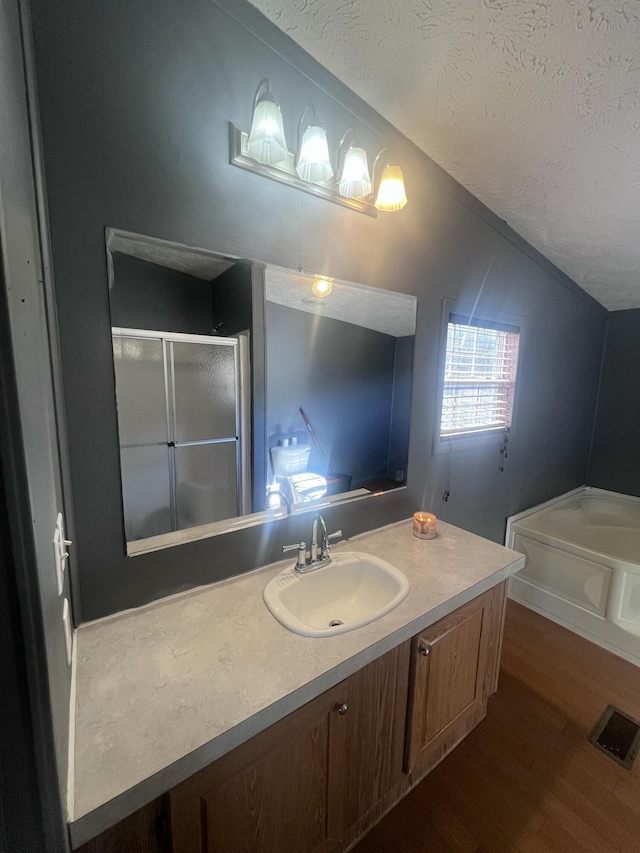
<point>339,371</point>
<point>333,417</point>
<point>181,429</point>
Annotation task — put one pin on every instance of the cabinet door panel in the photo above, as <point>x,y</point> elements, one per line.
<point>256,791</point>
<point>376,722</point>
<point>453,672</point>
<point>145,831</point>
<point>279,791</point>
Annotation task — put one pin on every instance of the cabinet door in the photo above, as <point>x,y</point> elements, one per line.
<point>282,790</point>
<point>145,831</point>
<point>376,722</point>
<point>454,667</point>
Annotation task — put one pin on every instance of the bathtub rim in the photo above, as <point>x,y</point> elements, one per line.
<point>553,541</point>
<point>602,631</point>
<point>592,490</point>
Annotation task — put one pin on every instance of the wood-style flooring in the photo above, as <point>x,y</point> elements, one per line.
<point>527,779</point>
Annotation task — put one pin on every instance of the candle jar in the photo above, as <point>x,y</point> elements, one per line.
<point>424,525</point>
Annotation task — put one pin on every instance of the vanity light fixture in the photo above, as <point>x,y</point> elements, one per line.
<point>263,151</point>
<point>322,286</point>
<point>266,142</point>
<point>391,193</point>
<point>313,164</point>
<point>354,178</point>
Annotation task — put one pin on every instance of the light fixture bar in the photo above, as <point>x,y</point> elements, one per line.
<point>285,173</point>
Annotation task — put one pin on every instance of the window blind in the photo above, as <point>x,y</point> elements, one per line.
<point>479,377</point>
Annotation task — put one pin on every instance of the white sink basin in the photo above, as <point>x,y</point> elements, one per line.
<point>353,590</point>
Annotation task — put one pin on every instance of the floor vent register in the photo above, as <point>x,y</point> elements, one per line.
<point>618,736</point>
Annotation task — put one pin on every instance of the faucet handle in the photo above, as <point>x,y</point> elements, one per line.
<point>335,535</point>
<point>301,548</point>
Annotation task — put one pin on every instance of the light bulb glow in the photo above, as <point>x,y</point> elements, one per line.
<point>314,165</point>
<point>355,181</point>
<point>391,194</point>
<point>266,142</point>
<point>322,286</point>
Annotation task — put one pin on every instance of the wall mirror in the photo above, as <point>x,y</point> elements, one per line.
<point>246,392</point>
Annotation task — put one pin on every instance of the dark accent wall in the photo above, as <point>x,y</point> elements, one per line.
<point>342,376</point>
<point>615,456</point>
<point>135,101</point>
<point>145,295</point>
<point>401,407</point>
<point>231,304</point>
<point>150,296</point>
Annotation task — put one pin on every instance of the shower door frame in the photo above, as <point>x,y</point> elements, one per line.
<point>241,408</point>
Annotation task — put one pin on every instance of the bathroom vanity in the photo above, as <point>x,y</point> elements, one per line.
<point>215,729</point>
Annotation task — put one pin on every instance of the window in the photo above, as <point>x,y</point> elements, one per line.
<point>480,362</point>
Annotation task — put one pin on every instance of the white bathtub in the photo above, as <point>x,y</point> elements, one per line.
<point>583,565</point>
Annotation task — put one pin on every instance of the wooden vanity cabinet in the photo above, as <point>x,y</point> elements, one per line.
<point>318,780</point>
<point>374,749</point>
<point>144,831</point>
<point>454,670</point>
<point>282,790</point>
<point>301,784</point>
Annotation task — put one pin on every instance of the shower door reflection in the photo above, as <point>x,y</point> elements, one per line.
<point>179,418</point>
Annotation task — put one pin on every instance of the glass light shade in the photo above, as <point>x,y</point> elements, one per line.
<point>391,194</point>
<point>355,181</point>
<point>314,165</point>
<point>266,142</point>
<point>322,286</point>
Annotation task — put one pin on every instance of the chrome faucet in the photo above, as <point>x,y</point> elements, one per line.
<point>318,554</point>
<point>276,499</point>
<point>318,521</point>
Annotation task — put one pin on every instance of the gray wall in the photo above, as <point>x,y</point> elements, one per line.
<point>145,295</point>
<point>615,457</point>
<point>232,300</point>
<point>401,406</point>
<point>344,383</point>
<point>135,100</point>
<point>149,296</point>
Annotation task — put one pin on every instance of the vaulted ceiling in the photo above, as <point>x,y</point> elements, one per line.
<point>533,105</point>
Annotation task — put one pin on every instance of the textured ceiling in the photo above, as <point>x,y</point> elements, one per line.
<point>533,106</point>
<point>174,256</point>
<point>391,313</point>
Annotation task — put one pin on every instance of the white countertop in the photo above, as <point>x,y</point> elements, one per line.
<point>163,690</point>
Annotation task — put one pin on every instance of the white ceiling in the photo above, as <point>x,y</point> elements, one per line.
<point>370,307</point>
<point>198,263</point>
<point>533,106</point>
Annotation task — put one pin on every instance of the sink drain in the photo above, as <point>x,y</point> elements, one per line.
<point>335,622</point>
